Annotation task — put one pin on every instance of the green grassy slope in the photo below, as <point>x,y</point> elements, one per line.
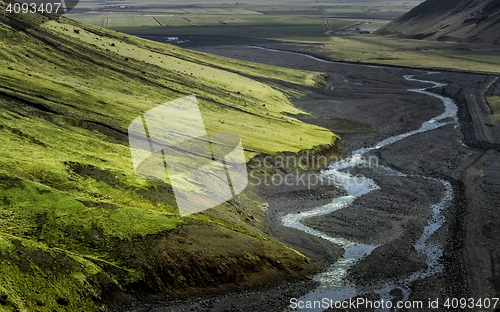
<point>76,224</point>
<point>413,53</point>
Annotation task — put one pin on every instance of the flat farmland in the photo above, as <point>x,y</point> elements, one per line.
<point>288,32</point>
<point>135,21</point>
<point>94,20</point>
<point>344,11</point>
<point>289,27</point>
<point>172,21</point>
<point>301,21</point>
<point>286,9</point>
<point>306,29</point>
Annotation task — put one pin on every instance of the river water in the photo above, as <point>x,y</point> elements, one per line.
<point>332,282</point>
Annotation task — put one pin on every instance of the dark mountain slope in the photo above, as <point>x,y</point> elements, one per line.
<point>473,21</point>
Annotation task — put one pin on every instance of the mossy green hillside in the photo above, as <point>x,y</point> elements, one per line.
<point>34,277</point>
<point>125,79</point>
<point>494,102</point>
<point>76,222</point>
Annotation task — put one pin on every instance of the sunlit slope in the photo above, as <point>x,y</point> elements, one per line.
<point>76,222</point>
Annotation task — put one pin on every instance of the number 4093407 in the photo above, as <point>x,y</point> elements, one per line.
<point>471,303</point>
<point>17,8</point>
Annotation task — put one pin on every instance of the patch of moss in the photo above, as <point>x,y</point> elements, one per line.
<point>36,278</point>
<point>57,217</point>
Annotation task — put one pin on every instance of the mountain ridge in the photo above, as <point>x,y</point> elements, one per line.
<point>467,21</point>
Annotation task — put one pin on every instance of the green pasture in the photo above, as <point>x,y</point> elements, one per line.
<point>94,20</point>
<point>344,11</point>
<point>172,21</point>
<point>134,21</point>
<point>412,53</point>
<point>286,28</point>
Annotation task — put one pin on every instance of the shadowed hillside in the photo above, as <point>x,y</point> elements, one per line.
<point>473,21</point>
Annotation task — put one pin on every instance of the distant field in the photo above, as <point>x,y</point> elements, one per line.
<point>301,28</point>
<point>373,25</point>
<point>281,21</point>
<point>162,11</point>
<point>136,21</point>
<point>286,9</point>
<point>412,53</point>
<point>97,20</point>
<point>171,21</point>
<point>131,19</point>
<point>344,10</point>
<point>288,32</point>
<point>306,21</point>
<point>310,30</point>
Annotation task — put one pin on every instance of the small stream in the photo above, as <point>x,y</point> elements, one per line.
<point>332,283</point>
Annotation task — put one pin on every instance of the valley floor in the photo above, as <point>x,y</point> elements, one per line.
<point>365,104</point>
